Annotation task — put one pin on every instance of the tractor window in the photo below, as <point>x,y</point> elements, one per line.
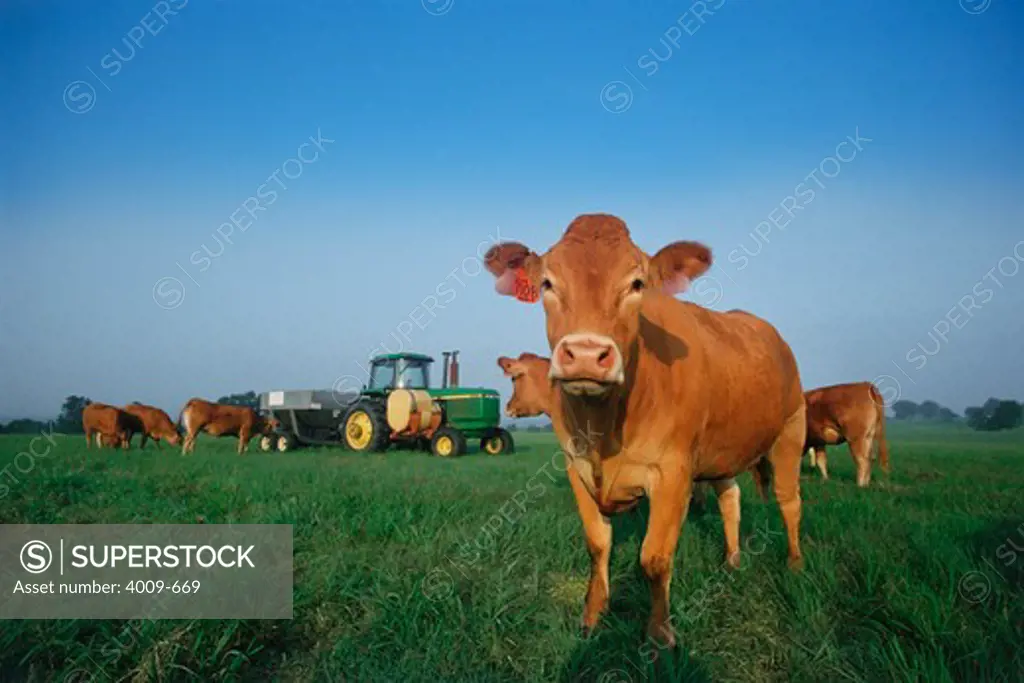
<point>382,376</point>
<point>413,376</point>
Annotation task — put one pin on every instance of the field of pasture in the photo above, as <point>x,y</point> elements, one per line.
<point>413,568</point>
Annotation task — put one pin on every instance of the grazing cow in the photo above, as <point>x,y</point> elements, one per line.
<point>108,425</point>
<point>156,424</point>
<point>667,392</point>
<point>533,393</point>
<point>854,413</point>
<point>222,420</point>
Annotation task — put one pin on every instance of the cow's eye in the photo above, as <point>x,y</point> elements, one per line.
<point>545,285</point>
<point>637,285</point>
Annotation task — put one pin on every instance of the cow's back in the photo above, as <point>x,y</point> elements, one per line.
<point>216,418</point>
<point>731,375</point>
<point>154,420</point>
<point>100,417</point>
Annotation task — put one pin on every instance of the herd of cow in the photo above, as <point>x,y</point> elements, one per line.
<point>655,397</point>
<point>111,426</point>
<point>649,396</point>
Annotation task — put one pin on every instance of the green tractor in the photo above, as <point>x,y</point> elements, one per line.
<point>398,406</point>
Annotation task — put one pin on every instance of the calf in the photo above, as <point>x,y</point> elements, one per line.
<point>222,420</point>
<point>667,392</point>
<point>854,413</point>
<point>108,425</point>
<point>156,424</point>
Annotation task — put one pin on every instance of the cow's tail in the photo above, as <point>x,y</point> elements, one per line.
<point>181,415</point>
<point>883,444</point>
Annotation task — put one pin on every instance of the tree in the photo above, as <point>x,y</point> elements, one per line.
<point>975,417</point>
<point>1007,415</point>
<point>69,421</point>
<point>904,410</point>
<point>946,415</point>
<point>995,415</point>
<point>25,426</point>
<point>928,410</point>
<point>249,398</point>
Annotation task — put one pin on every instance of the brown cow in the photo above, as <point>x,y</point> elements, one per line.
<point>108,425</point>
<point>222,420</point>
<point>854,413</point>
<point>667,392</point>
<point>156,424</point>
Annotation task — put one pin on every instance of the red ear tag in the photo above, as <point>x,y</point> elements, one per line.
<point>525,291</point>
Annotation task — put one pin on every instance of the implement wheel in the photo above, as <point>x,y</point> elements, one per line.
<point>497,443</point>
<point>448,443</point>
<point>365,428</point>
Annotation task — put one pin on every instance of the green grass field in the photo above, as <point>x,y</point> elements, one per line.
<point>407,570</point>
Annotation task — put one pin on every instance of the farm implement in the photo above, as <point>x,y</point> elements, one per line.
<point>396,407</point>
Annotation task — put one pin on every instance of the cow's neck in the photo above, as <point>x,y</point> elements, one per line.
<point>593,427</point>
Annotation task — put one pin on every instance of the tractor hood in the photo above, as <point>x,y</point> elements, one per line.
<point>453,393</point>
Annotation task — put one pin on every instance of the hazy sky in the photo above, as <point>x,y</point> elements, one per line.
<point>131,135</point>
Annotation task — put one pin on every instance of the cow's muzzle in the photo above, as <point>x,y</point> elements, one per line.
<point>587,364</point>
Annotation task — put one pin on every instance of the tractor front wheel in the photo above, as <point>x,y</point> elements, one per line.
<point>286,442</point>
<point>497,443</point>
<point>448,443</point>
<point>365,428</point>
<point>266,444</point>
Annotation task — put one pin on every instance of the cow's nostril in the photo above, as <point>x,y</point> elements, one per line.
<point>605,359</point>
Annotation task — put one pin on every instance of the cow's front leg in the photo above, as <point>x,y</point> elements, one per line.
<point>598,530</point>
<point>670,499</point>
<point>728,492</point>
<point>243,440</point>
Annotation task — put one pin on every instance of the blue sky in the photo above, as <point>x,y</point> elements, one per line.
<point>133,133</point>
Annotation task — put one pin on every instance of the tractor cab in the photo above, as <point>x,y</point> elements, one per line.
<point>400,371</point>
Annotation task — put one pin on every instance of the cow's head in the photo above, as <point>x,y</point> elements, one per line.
<point>173,436</point>
<point>531,385</point>
<point>591,283</point>
<point>266,424</point>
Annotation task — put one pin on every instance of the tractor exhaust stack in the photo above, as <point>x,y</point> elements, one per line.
<point>455,369</point>
<point>444,372</point>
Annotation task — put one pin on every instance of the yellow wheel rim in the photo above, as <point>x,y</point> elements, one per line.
<point>445,446</point>
<point>493,445</point>
<point>359,430</point>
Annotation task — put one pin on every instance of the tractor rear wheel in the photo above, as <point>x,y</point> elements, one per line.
<point>448,443</point>
<point>497,443</point>
<point>365,428</point>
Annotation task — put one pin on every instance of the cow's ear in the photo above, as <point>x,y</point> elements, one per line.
<point>507,365</point>
<point>516,269</point>
<point>675,266</point>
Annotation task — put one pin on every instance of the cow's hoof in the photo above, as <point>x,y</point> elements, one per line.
<point>795,564</point>
<point>732,561</point>
<point>661,633</point>
<point>589,626</point>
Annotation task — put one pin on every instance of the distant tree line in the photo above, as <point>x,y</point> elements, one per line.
<point>926,411</point>
<point>995,415</point>
<point>250,399</point>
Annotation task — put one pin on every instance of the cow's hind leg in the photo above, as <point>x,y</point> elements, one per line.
<point>669,502</point>
<point>860,449</point>
<point>762,474</point>
<point>822,461</point>
<point>598,531</point>
<point>728,492</point>
<point>785,456</point>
